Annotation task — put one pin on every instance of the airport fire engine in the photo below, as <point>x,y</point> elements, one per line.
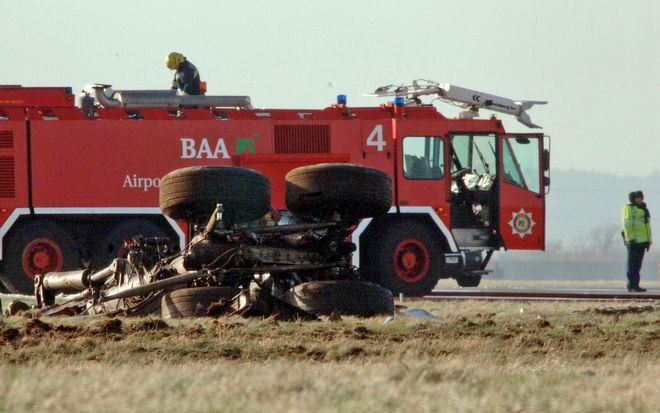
<point>77,179</point>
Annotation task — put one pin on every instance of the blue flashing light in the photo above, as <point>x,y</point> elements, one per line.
<point>341,99</point>
<point>399,101</point>
<point>68,90</point>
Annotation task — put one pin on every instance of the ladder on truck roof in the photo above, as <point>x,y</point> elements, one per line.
<point>472,100</point>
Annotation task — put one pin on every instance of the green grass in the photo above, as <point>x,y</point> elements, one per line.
<point>482,356</point>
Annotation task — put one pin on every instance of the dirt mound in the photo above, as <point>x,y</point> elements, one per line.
<point>151,324</point>
<point>9,334</point>
<point>16,307</point>
<point>36,327</point>
<point>64,329</point>
<point>109,326</point>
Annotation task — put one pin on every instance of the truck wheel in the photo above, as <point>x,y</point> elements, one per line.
<point>335,187</point>
<point>468,280</point>
<point>35,248</point>
<point>193,302</point>
<point>111,246</point>
<point>402,255</point>
<point>192,193</point>
<point>356,298</point>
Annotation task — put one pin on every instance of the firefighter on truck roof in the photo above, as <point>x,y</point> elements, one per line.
<point>186,78</point>
<point>637,236</point>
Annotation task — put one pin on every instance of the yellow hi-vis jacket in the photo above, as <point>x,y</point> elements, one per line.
<point>635,225</point>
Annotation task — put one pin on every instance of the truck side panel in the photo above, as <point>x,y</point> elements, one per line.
<point>14,190</point>
<point>118,163</point>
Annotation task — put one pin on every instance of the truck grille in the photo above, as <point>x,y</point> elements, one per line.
<point>302,138</point>
<point>6,139</point>
<point>7,177</point>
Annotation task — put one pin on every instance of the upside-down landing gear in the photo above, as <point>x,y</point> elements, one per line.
<point>241,259</point>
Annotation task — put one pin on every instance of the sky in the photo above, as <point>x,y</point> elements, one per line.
<point>596,62</point>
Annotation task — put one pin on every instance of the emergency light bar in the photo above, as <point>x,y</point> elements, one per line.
<point>466,98</point>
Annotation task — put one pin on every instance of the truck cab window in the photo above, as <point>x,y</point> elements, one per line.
<point>423,157</point>
<point>520,162</point>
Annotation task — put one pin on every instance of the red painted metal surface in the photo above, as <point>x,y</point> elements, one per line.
<point>411,260</point>
<point>42,256</point>
<point>115,158</point>
<point>19,96</point>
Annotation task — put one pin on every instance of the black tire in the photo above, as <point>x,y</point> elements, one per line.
<point>468,280</point>
<point>193,302</point>
<point>334,187</point>
<point>21,262</point>
<point>357,298</point>
<point>403,255</point>
<point>110,246</point>
<point>192,193</point>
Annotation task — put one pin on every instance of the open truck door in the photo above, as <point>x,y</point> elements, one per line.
<point>522,188</point>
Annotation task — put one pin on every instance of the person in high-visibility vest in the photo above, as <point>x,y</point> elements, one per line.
<point>186,78</point>
<point>637,236</point>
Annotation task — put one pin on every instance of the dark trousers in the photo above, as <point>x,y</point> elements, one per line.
<point>634,265</point>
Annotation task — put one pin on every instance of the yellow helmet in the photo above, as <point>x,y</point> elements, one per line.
<point>173,60</point>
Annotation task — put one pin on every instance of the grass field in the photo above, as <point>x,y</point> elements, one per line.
<point>481,357</point>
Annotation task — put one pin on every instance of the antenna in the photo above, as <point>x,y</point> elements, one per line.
<point>469,99</point>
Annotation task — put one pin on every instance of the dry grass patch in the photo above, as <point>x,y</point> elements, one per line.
<point>482,356</point>
<point>305,386</point>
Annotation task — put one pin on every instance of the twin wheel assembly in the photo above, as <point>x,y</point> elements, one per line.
<point>348,192</point>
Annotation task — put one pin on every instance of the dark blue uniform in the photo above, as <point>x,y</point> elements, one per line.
<point>186,79</point>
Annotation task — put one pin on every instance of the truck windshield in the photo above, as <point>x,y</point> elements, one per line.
<point>474,152</point>
<point>520,162</point>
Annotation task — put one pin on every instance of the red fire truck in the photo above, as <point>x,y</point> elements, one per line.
<point>76,180</point>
